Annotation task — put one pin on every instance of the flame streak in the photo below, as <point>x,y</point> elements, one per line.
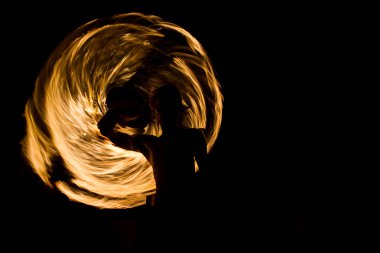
<point>69,100</point>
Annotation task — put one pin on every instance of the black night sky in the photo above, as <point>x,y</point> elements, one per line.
<point>261,56</point>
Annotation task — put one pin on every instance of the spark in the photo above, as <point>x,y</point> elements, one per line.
<point>70,94</point>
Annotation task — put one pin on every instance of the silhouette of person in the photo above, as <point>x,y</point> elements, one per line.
<point>171,155</point>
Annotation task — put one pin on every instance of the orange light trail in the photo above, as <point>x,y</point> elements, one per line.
<point>70,94</point>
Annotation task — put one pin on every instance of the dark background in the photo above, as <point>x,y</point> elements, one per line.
<point>263,58</point>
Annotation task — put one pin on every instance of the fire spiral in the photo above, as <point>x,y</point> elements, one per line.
<point>63,144</point>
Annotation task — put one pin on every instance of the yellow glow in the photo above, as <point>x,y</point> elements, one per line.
<point>69,100</point>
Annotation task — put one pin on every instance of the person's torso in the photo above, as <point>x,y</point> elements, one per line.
<point>173,162</point>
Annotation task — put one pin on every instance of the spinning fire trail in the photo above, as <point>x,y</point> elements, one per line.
<point>143,52</point>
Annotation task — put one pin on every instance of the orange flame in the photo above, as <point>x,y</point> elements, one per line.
<point>69,100</point>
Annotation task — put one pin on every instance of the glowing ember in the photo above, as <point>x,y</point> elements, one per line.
<point>63,143</point>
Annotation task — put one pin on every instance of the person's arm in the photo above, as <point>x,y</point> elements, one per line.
<point>107,125</point>
<point>201,155</point>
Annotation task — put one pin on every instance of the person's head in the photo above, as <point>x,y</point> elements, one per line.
<point>130,105</point>
<point>167,102</point>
